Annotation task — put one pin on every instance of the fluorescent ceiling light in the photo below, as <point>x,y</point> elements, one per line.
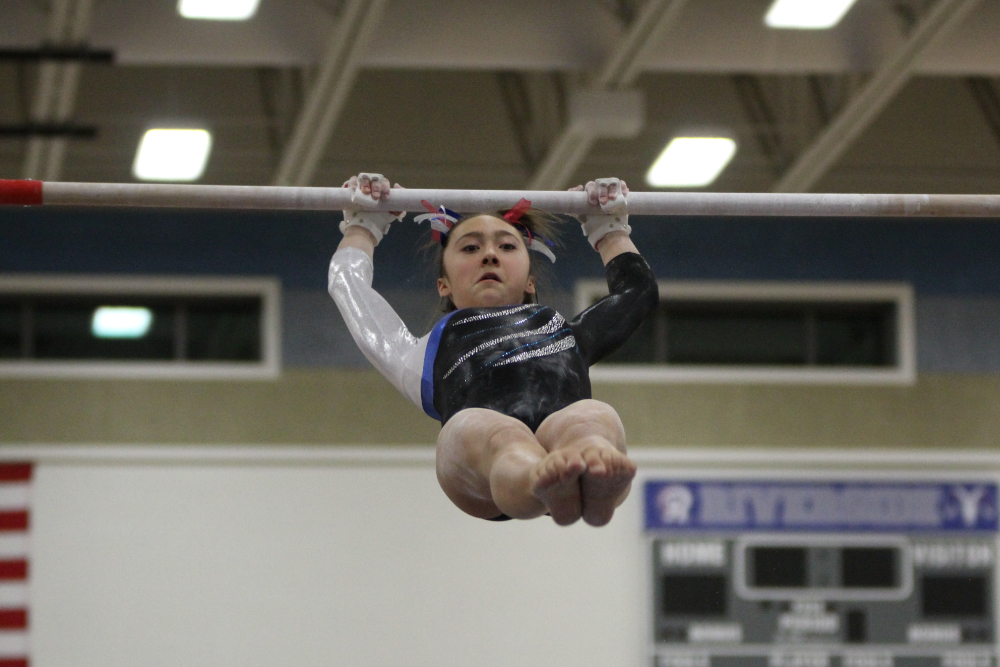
<point>218,10</point>
<point>121,322</point>
<point>806,14</point>
<point>172,155</point>
<point>691,162</point>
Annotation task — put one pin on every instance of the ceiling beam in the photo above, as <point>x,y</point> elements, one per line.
<point>618,72</point>
<point>866,105</point>
<point>327,96</point>
<point>55,95</point>
<point>77,53</point>
<point>763,120</point>
<point>536,108</point>
<point>48,130</point>
<point>988,100</point>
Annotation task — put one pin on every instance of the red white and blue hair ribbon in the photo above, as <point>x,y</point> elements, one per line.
<point>534,242</point>
<point>442,220</point>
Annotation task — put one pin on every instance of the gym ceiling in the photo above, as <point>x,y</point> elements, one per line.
<point>899,96</point>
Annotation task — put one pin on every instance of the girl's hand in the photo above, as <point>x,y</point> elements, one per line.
<point>364,228</point>
<point>603,190</point>
<point>374,185</point>
<point>608,230</point>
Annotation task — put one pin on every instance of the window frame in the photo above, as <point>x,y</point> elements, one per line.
<point>267,289</point>
<point>903,372</point>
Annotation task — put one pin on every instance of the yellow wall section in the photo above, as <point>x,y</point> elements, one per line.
<point>358,407</point>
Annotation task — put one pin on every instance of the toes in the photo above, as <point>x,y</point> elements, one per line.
<point>609,475</point>
<point>557,485</point>
<point>596,465</point>
<point>574,463</point>
<point>600,461</point>
<point>599,518</point>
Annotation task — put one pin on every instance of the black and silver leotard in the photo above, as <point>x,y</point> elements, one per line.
<point>523,361</point>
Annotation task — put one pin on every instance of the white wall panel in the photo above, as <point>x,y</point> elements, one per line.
<point>203,564</point>
<point>159,556</point>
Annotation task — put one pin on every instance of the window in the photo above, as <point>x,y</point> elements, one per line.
<point>767,332</point>
<point>138,327</point>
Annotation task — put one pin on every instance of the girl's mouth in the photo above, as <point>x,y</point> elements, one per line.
<point>490,276</point>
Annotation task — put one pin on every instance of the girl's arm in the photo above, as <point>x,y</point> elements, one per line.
<point>605,326</point>
<point>360,238</point>
<point>376,328</point>
<point>614,244</point>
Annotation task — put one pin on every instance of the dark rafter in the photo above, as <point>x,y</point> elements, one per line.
<point>528,121</point>
<point>83,54</point>
<point>62,130</point>
<point>984,91</point>
<point>762,120</point>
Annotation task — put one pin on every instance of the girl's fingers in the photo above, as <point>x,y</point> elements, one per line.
<point>612,190</point>
<point>602,192</point>
<point>591,188</point>
<point>375,185</point>
<point>624,187</point>
<point>575,188</point>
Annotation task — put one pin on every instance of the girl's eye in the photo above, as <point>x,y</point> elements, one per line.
<point>509,246</point>
<point>470,248</point>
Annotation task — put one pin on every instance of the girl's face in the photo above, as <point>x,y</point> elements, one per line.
<point>486,264</point>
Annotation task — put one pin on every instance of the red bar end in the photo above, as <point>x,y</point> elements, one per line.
<point>20,193</point>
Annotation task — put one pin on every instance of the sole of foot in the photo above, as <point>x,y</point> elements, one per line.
<point>608,475</point>
<point>556,482</point>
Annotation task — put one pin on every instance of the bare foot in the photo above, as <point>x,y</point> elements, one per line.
<point>556,482</point>
<point>608,475</point>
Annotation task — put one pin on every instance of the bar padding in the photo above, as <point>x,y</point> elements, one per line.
<point>20,193</point>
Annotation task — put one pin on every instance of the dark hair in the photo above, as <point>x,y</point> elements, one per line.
<point>538,222</point>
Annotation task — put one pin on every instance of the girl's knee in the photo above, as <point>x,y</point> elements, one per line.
<point>469,448</point>
<point>477,433</point>
<point>594,409</point>
<point>584,417</point>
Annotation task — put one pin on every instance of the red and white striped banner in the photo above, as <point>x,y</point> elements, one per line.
<point>15,503</point>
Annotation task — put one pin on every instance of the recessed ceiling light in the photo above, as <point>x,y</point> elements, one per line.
<point>218,10</point>
<point>691,162</point>
<point>121,322</point>
<point>806,14</point>
<point>172,155</point>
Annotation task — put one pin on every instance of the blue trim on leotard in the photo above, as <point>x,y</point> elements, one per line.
<point>427,378</point>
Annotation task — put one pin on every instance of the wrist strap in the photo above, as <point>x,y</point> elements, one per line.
<point>596,227</point>
<point>376,222</point>
<point>613,216</point>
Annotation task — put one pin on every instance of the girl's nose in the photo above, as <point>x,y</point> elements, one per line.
<point>490,258</point>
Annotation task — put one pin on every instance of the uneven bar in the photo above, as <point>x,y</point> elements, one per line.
<point>469,201</point>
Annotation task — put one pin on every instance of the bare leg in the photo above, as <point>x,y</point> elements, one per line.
<point>592,430</point>
<point>488,464</point>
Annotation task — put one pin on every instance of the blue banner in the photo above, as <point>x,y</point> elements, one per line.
<point>775,506</point>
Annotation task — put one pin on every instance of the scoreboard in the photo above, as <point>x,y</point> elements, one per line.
<point>822,573</point>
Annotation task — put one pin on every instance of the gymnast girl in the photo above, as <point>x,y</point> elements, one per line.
<point>507,377</point>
